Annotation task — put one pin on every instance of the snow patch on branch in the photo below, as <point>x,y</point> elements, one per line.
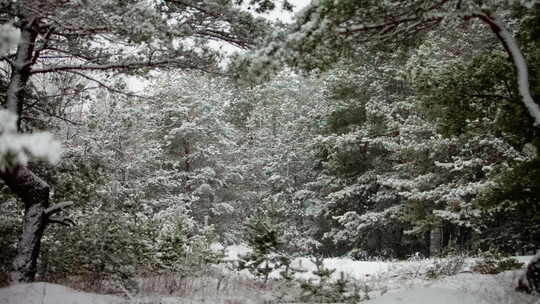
<point>17,149</point>
<point>9,37</point>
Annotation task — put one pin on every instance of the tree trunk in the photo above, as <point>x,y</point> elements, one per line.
<point>435,240</point>
<point>31,189</point>
<point>34,193</point>
<point>20,71</point>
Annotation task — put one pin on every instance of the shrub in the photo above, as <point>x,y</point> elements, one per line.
<point>325,290</point>
<point>448,266</point>
<point>493,262</point>
<point>266,256</point>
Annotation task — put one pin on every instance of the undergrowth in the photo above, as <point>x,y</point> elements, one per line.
<point>217,284</point>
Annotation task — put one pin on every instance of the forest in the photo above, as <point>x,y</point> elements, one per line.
<point>142,138</point>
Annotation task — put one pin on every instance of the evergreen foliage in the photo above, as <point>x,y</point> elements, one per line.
<point>364,138</point>
<point>263,239</point>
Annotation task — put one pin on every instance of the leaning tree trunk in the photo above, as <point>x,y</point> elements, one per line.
<point>34,193</point>
<point>32,190</point>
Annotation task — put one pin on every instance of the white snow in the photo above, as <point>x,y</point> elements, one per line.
<point>9,37</point>
<point>234,251</point>
<point>40,145</point>
<point>352,269</point>
<point>45,293</point>
<point>428,296</point>
<point>390,283</point>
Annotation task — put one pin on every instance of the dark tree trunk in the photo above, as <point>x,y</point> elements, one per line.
<point>464,237</point>
<point>435,241</point>
<point>20,70</point>
<point>31,189</point>
<point>34,193</point>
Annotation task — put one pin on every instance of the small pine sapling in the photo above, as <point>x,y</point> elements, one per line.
<point>263,239</point>
<point>323,289</point>
<point>287,269</point>
<point>317,289</point>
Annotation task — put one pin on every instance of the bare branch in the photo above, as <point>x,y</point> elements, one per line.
<point>51,115</point>
<point>64,221</point>
<point>102,84</point>
<point>57,207</point>
<point>77,92</point>
<point>38,51</point>
<point>108,67</point>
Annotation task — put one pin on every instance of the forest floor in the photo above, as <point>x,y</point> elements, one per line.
<point>417,281</point>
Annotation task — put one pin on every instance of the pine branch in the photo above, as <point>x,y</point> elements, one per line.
<point>58,207</point>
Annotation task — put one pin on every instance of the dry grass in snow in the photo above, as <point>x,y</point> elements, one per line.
<point>441,281</point>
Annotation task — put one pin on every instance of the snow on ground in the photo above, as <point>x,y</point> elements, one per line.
<point>405,281</point>
<point>352,269</point>
<point>428,296</point>
<point>359,270</point>
<point>524,258</point>
<point>462,288</point>
<point>45,293</point>
<point>234,251</point>
<point>390,282</point>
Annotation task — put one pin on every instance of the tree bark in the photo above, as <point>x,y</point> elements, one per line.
<point>34,193</point>
<point>20,71</point>
<point>31,189</point>
<point>435,240</point>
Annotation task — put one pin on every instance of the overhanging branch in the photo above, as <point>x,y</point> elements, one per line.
<point>512,48</point>
<point>102,84</point>
<point>112,66</point>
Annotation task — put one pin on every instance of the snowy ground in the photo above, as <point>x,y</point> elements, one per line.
<point>45,293</point>
<point>391,282</point>
<point>356,269</point>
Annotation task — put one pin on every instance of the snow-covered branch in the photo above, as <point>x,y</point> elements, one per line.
<point>512,47</point>
<point>16,149</point>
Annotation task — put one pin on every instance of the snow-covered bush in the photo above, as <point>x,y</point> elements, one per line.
<point>323,289</point>
<point>448,266</point>
<point>418,267</point>
<point>493,262</point>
